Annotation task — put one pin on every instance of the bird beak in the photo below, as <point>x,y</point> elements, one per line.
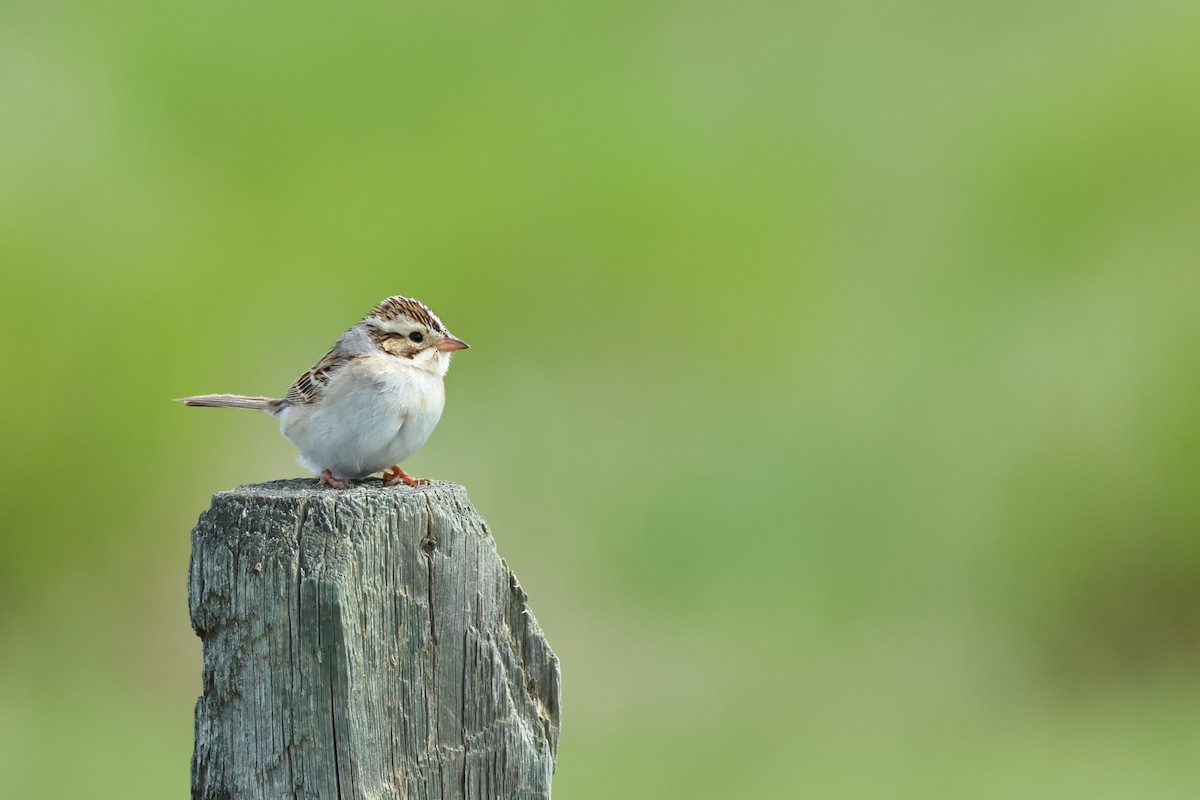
<point>451,343</point>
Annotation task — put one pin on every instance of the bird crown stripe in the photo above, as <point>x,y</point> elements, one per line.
<point>397,306</point>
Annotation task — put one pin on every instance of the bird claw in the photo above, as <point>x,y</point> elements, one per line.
<point>327,479</point>
<point>394,475</point>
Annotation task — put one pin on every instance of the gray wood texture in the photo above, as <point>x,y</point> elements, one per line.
<point>365,643</point>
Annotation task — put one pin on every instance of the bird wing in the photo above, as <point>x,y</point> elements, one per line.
<point>309,386</point>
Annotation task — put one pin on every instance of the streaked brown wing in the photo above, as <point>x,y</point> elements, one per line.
<point>309,386</point>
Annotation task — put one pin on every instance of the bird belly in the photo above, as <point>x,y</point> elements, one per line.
<point>367,422</point>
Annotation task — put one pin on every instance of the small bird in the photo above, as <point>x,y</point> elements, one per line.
<point>370,402</point>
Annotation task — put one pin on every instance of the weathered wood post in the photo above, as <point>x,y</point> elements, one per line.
<point>361,644</point>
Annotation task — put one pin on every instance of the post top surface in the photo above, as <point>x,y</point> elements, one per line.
<point>292,488</point>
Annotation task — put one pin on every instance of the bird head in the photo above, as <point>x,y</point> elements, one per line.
<point>407,329</point>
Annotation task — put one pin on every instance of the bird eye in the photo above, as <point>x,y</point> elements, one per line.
<point>416,336</point>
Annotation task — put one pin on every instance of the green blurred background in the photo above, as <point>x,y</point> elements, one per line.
<point>833,387</point>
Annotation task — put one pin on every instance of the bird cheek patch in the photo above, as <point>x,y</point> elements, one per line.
<point>398,347</point>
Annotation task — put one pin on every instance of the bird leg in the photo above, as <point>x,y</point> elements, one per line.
<point>327,479</point>
<point>395,475</point>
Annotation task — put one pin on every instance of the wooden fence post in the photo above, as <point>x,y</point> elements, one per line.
<point>363,644</point>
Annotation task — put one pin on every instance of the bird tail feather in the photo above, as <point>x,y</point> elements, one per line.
<point>268,404</point>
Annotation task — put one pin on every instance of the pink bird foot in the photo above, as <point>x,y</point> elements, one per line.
<point>395,475</point>
<point>327,479</point>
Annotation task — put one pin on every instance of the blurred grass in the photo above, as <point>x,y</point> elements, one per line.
<point>833,385</point>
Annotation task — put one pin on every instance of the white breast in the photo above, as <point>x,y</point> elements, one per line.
<point>374,413</point>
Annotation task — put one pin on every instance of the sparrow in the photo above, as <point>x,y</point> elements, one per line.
<point>370,402</point>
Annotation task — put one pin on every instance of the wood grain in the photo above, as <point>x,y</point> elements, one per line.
<point>365,643</point>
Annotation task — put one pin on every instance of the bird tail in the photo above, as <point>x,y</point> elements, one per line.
<point>267,404</point>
